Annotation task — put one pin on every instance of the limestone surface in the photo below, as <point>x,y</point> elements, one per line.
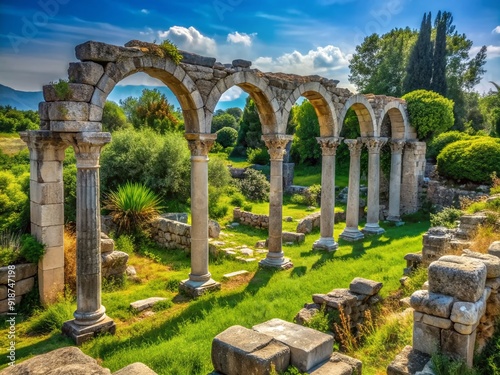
<point>365,286</point>
<point>494,249</point>
<point>491,262</point>
<point>308,347</point>
<point>409,361</point>
<point>431,303</point>
<point>459,277</point>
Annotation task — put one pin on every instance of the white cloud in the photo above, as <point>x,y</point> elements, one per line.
<point>190,40</point>
<point>243,38</point>
<point>144,11</point>
<point>496,30</point>
<point>147,31</point>
<point>231,94</point>
<point>491,51</point>
<point>319,61</point>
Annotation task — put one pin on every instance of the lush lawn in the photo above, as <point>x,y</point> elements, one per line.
<point>178,339</point>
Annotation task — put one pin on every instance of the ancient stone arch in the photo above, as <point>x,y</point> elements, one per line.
<point>74,119</point>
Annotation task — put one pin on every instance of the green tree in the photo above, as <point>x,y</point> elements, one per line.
<point>250,132</point>
<point>227,137</point>
<point>235,112</point>
<point>13,120</point>
<point>152,110</point>
<point>430,113</point>
<point>305,148</point>
<point>438,83</point>
<point>113,117</point>
<point>489,105</point>
<point>223,120</point>
<point>419,69</point>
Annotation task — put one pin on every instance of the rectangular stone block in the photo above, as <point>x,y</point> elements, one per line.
<point>53,258</point>
<point>46,193</point>
<point>24,286</point>
<point>75,126</point>
<point>364,286</point>
<point>458,346</point>
<point>50,284</point>
<point>51,236</point>
<point>308,347</point>
<point>432,303</point>
<point>426,338</point>
<point>436,322</point>
<point>46,171</point>
<point>47,215</point>
<point>239,350</point>
<point>21,271</point>
<point>459,277</point>
<point>68,111</point>
<point>409,361</point>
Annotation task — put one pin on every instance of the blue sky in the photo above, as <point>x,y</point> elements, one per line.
<point>37,38</point>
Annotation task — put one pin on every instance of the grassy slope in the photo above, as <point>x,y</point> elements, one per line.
<point>178,340</point>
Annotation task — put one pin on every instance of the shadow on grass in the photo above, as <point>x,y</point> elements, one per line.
<point>298,271</point>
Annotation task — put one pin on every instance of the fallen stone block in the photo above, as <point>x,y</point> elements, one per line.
<point>431,303</point>
<point>459,277</point>
<point>364,286</point>
<point>308,347</point>
<point>408,362</point>
<point>491,262</point>
<point>144,304</point>
<point>332,368</point>
<point>235,274</point>
<point>293,237</point>
<point>136,368</point>
<point>494,249</point>
<point>239,350</point>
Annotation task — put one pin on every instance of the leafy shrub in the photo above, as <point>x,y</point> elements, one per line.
<point>31,249</point>
<point>238,199</point>
<point>14,202</point>
<point>312,195</point>
<point>254,185</point>
<point>132,206</point>
<point>443,365</point>
<point>298,199</point>
<point>62,89</point>
<point>227,136</point>
<point>170,49</point>
<point>473,160</point>
<point>258,156</point>
<point>125,243</point>
<point>10,247</point>
<point>218,173</point>
<point>160,163</point>
<point>446,218</point>
<point>430,113</point>
<point>442,140</point>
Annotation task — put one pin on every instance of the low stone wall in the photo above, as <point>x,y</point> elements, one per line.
<point>360,297</point>
<point>459,307</point>
<point>441,195</point>
<point>313,221</point>
<point>15,282</point>
<point>250,219</point>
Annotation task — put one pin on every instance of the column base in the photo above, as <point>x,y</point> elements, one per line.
<point>326,243</point>
<point>351,234</point>
<point>279,263</point>
<point>395,219</point>
<point>81,334</point>
<point>198,288</point>
<point>372,229</point>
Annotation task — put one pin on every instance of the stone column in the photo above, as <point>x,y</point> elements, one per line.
<point>413,175</point>
<point>47,208</point>
<point>329,149</point>
<point>397,146</point>
<point>351,231</point>
<point>374,145</point>
<point>200,280</point>
<point>276,144</point>
<point>90,315</point>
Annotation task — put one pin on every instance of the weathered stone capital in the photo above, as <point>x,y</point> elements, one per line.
<point>87,146</point>
<point>355,146</point>
<point>44,145</point>
<point>200,144</point>
<point>276,144</point>
<point>411,147</point>
<point>374,144</point>
<point>397,146</point>
<point>329,145</point>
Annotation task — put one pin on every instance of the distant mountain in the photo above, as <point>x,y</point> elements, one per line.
<point>24,100</point>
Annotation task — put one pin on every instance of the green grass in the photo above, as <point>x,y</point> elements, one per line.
<point>177,340</point>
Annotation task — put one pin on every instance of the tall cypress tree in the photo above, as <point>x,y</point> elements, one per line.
<point>419,71</point>
<point>438,83</point>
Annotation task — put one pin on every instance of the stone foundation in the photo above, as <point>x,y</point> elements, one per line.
<point>22,280</point>
<point>250,219</point>
<point>444,196</point>
<point>313,221</point>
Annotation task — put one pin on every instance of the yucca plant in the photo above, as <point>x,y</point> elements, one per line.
<point>132,206</point>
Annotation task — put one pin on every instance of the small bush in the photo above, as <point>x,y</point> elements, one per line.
<point>125,243</point>
<point>170,49</point>
<point>298,199</point>
<point>258,156</point>
<point>254,185</point>
<point>10,248</point>
<point>313,195</point>
<point>31,249</point>
<point>473,160</point>
<point>443,365</point>
<point>227,136</point>
<point>437,144</point>
<point>446,218</point>
<point>238,199</point>
<point>52,319</point>
<point>132,207</point>
<point>62,89</point>
<point>320,321</point>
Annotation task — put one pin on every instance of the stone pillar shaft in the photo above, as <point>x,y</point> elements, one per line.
<point>276,145</point>
<point>395,180</point>
<point>329,149</point>
<point>47,208</point>
<point>200,279</point>
<point>87,148</point>
<point>374,145</point>
<point>351,231</point>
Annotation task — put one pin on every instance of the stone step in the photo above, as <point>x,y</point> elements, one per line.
<point>308,347</point>
<point>144,304</point>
